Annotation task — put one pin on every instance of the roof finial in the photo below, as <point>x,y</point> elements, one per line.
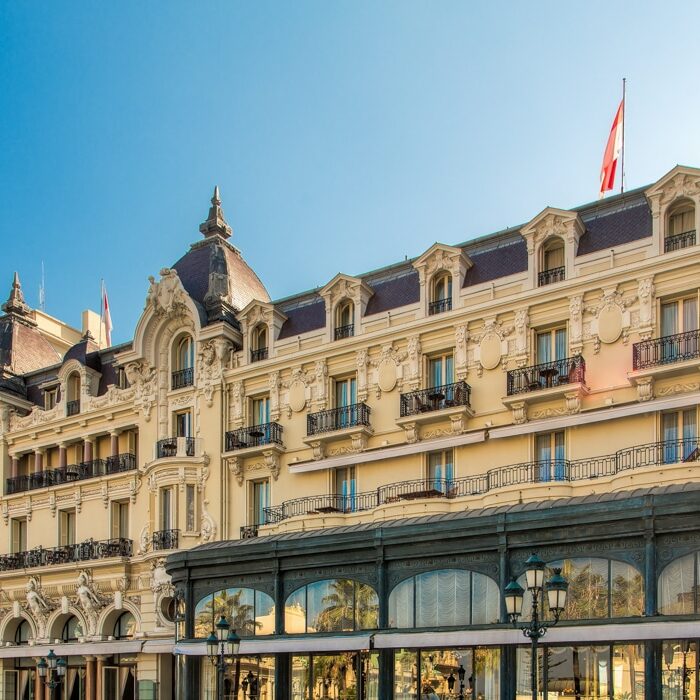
<point>15,303</point>
<point>216,223</point>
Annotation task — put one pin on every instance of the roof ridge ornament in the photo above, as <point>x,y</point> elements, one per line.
<point>216,223</point>
<point>15,304</point>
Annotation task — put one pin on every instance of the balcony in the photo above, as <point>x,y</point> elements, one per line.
<point>74,472</point>
<point>669,452</point>
<point>547,375</point>
<point>347,331</point>
<point>165,539</point>
<point>556,274</point>
<point>258,355</point>
<point>171,447</point>
<point>182,378</point>
<point>72,408</point>
<point>667,350</point>
<point>254,436</point>
<point>679,241</point>
<point>439,306</point>
<point>337,423</point>
<point>88,550</point>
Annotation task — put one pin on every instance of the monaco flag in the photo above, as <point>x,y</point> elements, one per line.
<point>612,151</point>
<point>106,317</point>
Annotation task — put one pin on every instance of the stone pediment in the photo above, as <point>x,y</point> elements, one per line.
<point>681,181</point>
<point>344,286</point>
<point>553,222</point>
<point>442,257</point>
<point>261,312</point>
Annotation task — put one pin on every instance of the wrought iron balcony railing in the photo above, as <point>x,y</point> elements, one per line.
<point>258,355</point>
<point>168,447</point>
<point>248,532</point>
<point>254,436</point>
<point>666,350</point>
<point>439,306</point>
<point>72,408</point>
<point>66,554</point>
<point>435,398</point>
<point>678,241</point>
<point>165,539</point>
<point>652,454</point>
<point>73,472</point>
<point>182,378</point>
<point>555,274</point>
<point>351,416</point>
<point>345,331</point>
<point>570,370</point>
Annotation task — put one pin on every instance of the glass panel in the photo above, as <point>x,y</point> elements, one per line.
<point>544,347</point>
<point>523,676</point>
<point>435,373</point>
<point>261,500</point>
<point>449,370</point>
<point>588,588</point>
<point>166,509</point>
<point>690,315</point>
<point>366,607</point>
<point>628,671</point>
<point>401,601</point>
<point>406,675</point>
<point>436,667</point>
<point>345,488</point>
<point>189,508</point>
<point>264,613</point>
<point>295,612</point>
<point>331,606</point>
<point>678,672</point>
<point>443,598</point>
<point>677,587</point>
<point>486,672</point>
<point>554,257</point>
<point>627,590</point>
<point>261,411</point>
<point>485,600</point>
<point>543,452</point>
<point>669,319</point>
<point>559,456</point>
<point>301,666</point>
<point>560,345</point>
<point>669,429</point>
<point>690,432</point>
<point>335,676</point>
<point>581,672</point>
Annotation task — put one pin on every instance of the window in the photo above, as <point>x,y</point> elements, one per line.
<point>19,535</point>
<point>440,294</point>
<point>125,626</point>
<point>553,266</point>
<point>50,398</point>
<point>550,456</point>
<point>344,485</point>
<point>183,363</point>
<point>259,338</point>
<point>440,370</point>
<point>190,508</point>
<point>679,433</point>
<point>183,424</point>
<point>166,508</point>
<point>73,402</point>
<point>345,392</point>
<point>248,611</point>
<point>261,410</point>
<point>71,630</point>
<point>344,321</point>
<point>66,527</point>
<point>23,633</point>
<point>680,232</point>
<point>122,382</point>
<point>680,316</point>
<point>551,345</point>
<point>259,500</point>
<point>120,520</point>
<point>441,471</point>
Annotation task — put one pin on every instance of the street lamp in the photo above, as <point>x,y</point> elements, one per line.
<point>556,589</point>
<point>51,670</point>
<point>221,645</point>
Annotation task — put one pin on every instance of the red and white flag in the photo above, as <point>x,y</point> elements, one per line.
<point>612,151</point>
<point>106,317</point>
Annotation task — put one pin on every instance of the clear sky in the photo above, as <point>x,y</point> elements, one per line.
<point>344,135</point>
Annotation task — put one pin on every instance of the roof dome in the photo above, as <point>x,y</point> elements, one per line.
<point>214,273</point>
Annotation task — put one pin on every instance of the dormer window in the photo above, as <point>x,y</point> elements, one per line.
<point>344,325</point>
<point>441,294</point>
<point>259,349</point>
<point>183,363</point>
<point>553,268</point>
<point>680,229</point>
<point>50,398</point>
<point>73,402</point>
<point>122,382</point>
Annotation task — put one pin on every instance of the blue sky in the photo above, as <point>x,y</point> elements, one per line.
<point>344,135</point>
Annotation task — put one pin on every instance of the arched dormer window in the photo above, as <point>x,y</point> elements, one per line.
<point>259,350</point>
<point>680,226</point>
<point>73,390</point>
<point>440,294</point>
<point>344,320</point>
<point>183,362</point>
<point>552,266</point>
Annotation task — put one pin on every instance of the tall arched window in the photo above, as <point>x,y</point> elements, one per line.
<point>73,390</point>
<point>183,362</point>
<point>344,320</point>
<point>259,339</point>
<point>440,293</point>
<point>678,586</point>
<point>248,611</point>
<point>680,226</point>
<point>444,598</point>
<point>23,633</point>
<point>71,630</point>
<point>125,626</point>
<point>552,267</point>
<point>333,605</point>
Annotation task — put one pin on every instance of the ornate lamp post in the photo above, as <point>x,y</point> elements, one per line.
<point>556,589</point>
<point>221,645</point>
<point>51,670</point>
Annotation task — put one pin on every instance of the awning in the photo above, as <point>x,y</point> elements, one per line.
<point>73,649</point>
<point>158,646</point>
<point>279,645</point>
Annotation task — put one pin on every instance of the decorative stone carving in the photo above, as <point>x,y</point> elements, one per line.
<point>235,466</point>
<point>297,396</point>
<point>143,379</point>
<point>161,581</point>
<point>682,388</point>
<point>207,526</point>
<point>411,431</point>
<point>321,379</point>
<point>211,363</point>
<point>576,324</point>
<point>144,540</point>
<point>272,462</point>
<point>37,605</point>
<point>645,293</point>
<point>461,338</point>
<point>89,601</point>
<point>522,324</point>
<point>361,361</point>
<point>273,383</point>
<point>519,409</point>
<point>167,297</point>
<point>388,369</point>
<point>573,402</point>
<point>414,361</point>
<point>236,402</point>
<point>490,351</point>
<point>645,388</point>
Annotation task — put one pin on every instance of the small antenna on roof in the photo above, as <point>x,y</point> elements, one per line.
<point>42,290</point>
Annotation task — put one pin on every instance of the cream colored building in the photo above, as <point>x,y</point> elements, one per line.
<point>556,360</point>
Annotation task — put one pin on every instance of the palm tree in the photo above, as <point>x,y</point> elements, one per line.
<point>348,606</point>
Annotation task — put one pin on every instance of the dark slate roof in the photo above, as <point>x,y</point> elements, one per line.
<point>504,260</point>
<point>85,352</point>
<point>544,505</point>
<point>302,319</point>
<point>23,348</point>
<point>394,293</point>
<point>607,230</point>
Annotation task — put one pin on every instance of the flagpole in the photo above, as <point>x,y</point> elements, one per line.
<point>624,106</point>
<point>102,307</point>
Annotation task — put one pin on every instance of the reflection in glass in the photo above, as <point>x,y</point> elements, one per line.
<point>249,612</point>
<point>240,674</point>
<point>679,670</point>
<point>343,676</point>
<point>678,587</point>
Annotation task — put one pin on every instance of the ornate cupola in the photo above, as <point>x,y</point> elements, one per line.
<point>216,224</point>
<point>15,304</point>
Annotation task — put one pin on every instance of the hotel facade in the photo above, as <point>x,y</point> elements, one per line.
<point>352,475</point>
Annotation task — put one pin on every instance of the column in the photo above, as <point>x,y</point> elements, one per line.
<point>14,466</point>
<point>87,449</point>
<point>47,692</point>
<point>98,680</point>
<point>38,461</point>
<point>62,455</point>
<point>114,443</point>
<point>90,678</point>
<point>37,680</point>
